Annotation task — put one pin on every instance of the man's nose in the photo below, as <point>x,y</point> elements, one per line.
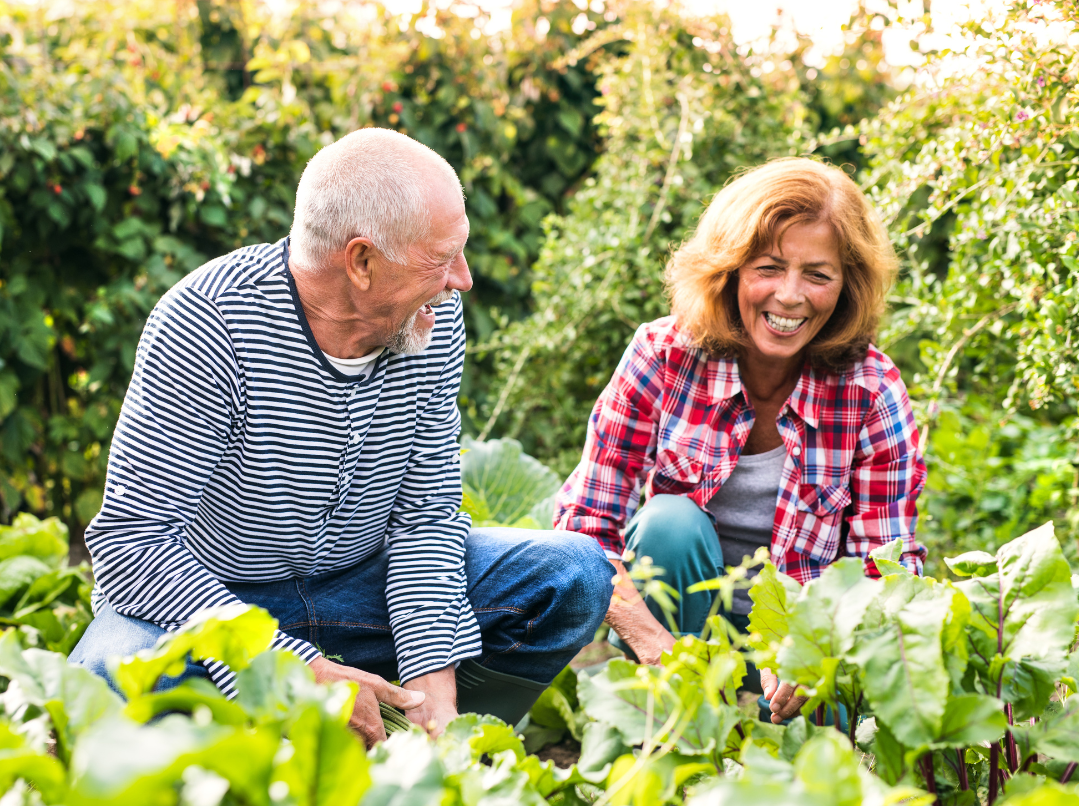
<point>460,277</point>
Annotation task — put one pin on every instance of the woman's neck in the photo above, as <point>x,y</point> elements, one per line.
<point>769,380</point>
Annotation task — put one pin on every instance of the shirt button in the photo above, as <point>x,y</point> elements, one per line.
<point>119,489</point>
<point>355,438</point>
<point>796,451</point>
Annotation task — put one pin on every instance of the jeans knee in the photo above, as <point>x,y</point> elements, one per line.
<point>109,635</point>
<point>586,577</point>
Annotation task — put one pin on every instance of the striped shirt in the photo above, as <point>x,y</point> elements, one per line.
<point>242,454</point>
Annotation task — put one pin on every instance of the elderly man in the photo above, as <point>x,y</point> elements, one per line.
<point>289,440</point>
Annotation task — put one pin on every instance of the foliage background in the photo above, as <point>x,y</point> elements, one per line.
<point>139,139</point>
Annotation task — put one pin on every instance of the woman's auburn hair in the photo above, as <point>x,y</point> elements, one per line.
<point>744,220</point>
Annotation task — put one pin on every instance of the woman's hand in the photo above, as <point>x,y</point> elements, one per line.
<point>784,705</point>
<point>630,618</point>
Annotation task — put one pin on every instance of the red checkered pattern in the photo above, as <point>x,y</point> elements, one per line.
<point>676,420</point>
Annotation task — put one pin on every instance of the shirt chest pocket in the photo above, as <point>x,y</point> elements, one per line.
<point>819,518</point>
<point>823,499</point>
<point>675,471</point>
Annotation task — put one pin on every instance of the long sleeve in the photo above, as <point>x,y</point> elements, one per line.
<point>602,494</point>
<point>175,424</point>
<point>426,589</point>
<point>887,477</point>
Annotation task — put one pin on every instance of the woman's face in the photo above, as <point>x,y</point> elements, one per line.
<point>787,294</point>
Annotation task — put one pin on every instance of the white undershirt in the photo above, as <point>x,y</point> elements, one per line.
<point>355,367</point>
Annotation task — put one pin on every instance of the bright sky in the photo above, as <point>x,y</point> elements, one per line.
<point>822,20</point>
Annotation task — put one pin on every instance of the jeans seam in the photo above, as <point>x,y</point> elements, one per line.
<point>312,626</point>
<point>503,652</point>
<point>355,624</point>
<point>497,610</point>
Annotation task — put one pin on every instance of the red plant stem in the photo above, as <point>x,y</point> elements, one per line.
<point>820,715</point>
<point>994,761</point>
<point>964,782</point>
<point>1013,751</point>
<point>738,726</point>
<point>1030,760</point>
<point>994,750</point>
<point>1068,772</point>
<point>930,776</point>
<point>852,722</point>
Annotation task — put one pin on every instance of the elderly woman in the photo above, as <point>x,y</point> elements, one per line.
<point>759,413</point>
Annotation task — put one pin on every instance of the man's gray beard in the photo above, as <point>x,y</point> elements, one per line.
<point>410,340</point>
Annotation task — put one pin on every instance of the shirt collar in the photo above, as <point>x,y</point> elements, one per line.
<point>723,380</point>
<point>724,383</point>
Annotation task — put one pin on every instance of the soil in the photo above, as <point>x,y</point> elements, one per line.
<point>593,654</point>
<point>564,754</point>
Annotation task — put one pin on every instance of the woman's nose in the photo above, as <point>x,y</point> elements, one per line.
<point>789,292</point>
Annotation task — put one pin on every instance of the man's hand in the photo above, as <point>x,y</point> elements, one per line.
<point>634,623</point>
<point>440,700</point>
<point>784,704</point>
<point>366,719</point>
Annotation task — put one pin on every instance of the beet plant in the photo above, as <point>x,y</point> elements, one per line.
<point>958,692</point>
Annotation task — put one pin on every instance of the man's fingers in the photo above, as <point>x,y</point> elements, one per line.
<point>372,734</point>
<point>367,719</point>
<point>399,697</point>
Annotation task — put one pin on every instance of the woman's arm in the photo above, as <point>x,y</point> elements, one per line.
<point>603,492</point>
<point>634,623</point>
<point>887,478</point>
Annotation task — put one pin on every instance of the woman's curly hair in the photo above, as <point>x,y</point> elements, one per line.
<point>751,214</point>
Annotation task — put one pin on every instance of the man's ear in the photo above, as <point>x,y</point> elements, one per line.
<point>358,262</point>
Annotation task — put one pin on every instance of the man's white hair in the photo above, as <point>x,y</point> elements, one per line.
<point>371,183</point>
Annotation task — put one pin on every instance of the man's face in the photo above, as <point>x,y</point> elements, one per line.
<point>435,268</point>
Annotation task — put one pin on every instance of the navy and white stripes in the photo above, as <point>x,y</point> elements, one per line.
<point>241,454</point>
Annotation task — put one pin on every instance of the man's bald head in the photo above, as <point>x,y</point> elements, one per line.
<point>372,183</point>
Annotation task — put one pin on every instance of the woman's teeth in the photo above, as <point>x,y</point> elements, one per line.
<point>783,324</point>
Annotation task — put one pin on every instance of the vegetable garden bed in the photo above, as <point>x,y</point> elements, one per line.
<point>962,691</point>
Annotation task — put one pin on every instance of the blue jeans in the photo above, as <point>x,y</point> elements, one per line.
<point>538,597</point>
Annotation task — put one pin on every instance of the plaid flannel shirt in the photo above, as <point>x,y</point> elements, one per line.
<point>677,419</point>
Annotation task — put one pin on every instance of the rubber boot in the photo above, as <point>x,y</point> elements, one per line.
<point>484,691</point>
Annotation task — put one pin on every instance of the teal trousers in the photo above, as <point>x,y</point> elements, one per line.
<point>681,540</point>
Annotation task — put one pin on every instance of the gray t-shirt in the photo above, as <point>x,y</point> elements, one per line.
<point>745,509</point>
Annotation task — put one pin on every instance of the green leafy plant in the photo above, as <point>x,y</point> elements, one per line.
<point>503,486</point>
<point>48,601</point>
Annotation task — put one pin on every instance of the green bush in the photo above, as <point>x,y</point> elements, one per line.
<point>126,161</point>
<point>683,109</point>
<point>977,174</point>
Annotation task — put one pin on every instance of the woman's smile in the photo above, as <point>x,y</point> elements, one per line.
<point>784,325</point>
